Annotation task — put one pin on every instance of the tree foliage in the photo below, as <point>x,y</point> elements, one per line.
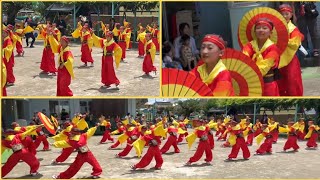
<point>243,105</point>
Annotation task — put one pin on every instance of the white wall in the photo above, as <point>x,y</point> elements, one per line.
<point>132,106</point>
<point>36,105</point>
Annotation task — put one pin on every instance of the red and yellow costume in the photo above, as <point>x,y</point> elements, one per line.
<point>257,128</point>
<point>240,143</point>
<point>27,141</point>
<point>312,136</point>
<point>222,129</point>
<point>3,77</point>
<point>172,140</point>
<point>248,132</point>
<point>41,138</point>
<point>110,49</point>
<point>122,43</point>
<point>200,132</point>
<point>121,129</point>
<point>274,130</point>
<point>66,152</point>
<point>152,138</point>
<point>115,30</point>
<point>128,31</point>
<point>155,33</point>
<point>141,38</point>
<point>19,34</point>
<point>57,34</point>
<point>266,147</point>
<point>267,59</point>
<point>79,142</point>
<point>47,61</point>
<point>130,135</point>
<point>104,28</point>
<point>290,83</point>
<point>292,137</point>
<point>87,42</point>
<point>66,72</point>
<point>106,135</point>
<point>300,131</point>
<point>182,128</point>
<point>8,58</point>
<point>219,79</point>
<point>150,51</point>
<point>14,141</point>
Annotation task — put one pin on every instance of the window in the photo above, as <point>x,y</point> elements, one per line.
<point>56,107</point>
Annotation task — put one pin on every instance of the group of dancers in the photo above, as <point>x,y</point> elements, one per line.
<point>74,135</point>
<point>114,44</point>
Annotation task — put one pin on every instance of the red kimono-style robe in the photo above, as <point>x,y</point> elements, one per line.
<point>150,50</point>
<point>267,59</point>
<point>66,72</point>
<point>219,80</point>
<point>47,61</point>
<point>110,49</point>
<point>8,58</point>
<point>290,83</point>
<point>122,44</point>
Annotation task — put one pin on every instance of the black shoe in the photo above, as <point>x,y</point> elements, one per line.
<point>32,46</point>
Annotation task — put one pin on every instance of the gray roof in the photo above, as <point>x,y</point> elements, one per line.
<point>60,7</point>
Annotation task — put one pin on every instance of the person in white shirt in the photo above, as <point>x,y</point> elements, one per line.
<point>184,28</point>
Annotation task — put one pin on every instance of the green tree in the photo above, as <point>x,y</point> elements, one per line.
<point>189,106</point>
<point>12,9</point>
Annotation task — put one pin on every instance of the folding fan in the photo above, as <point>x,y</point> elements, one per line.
<point>246,77</point>
<point>179,83</point>
<point>47,123</point>
<point>279,36</point>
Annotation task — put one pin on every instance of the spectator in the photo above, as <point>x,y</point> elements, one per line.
<point>184,28</point>
<point>197,37</point>
<point>28,22</point>
<point>64,115</point>
<point>62,25</point>
<point>36,119</point>
<point>168,55</point>
<point>187,58</point>
<point>112,23</point>
<point>306,14</point>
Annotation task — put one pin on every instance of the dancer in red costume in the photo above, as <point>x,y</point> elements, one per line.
<point>240,143</point>
<point>266,146</point>
<point>292,137</point>
<point>312,135</point>
<point>47,62</point>
<point>290,83</point>
<point>78,141</point>
<point>110,49</point>
<point>14,141</point>
<point>150,51</point>
<point>153,141</point>
<point>266,55</point>
<point>121,129</point>
<point>201,132</point>
<point>132,134</point>
<point>172,140</point>
<point>106,135</point>
<point>63,135</point>
<point>85,34</point>
<point>8,57</point>
<point>65,69</point>
<point>213,72</point>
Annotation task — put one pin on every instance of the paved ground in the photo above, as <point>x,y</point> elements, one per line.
<point>303,164</point>
<point>311,79</point>
<point>87,81</point>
